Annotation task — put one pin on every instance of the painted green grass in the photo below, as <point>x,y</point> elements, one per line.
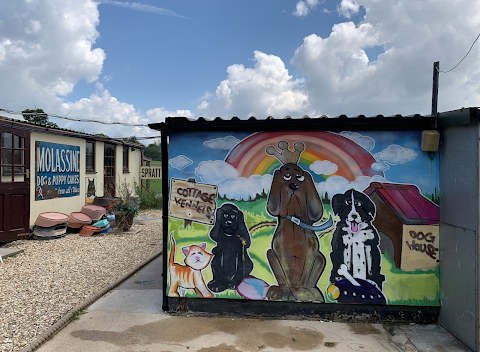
<point>417,288</point>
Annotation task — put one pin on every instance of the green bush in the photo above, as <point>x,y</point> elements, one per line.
<point>147,200</point>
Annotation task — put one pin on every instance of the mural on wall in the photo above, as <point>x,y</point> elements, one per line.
<point>91,187</point>
<point>304,216</point>
<point>57,170</point>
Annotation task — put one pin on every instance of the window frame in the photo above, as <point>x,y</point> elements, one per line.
<point>90,170</point>
<point>125,152</point>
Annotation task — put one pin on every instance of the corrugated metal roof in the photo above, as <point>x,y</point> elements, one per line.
<point>7,121</point>
<point>406,202</point>
<point>323,122</point>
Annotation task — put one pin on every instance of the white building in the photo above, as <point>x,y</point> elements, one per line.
<point>47,169</point>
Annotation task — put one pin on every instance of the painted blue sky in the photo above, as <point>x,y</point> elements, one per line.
<point>140,61</point>
<point>201,156</point>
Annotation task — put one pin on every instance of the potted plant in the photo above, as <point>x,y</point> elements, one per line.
<point>125,207</point>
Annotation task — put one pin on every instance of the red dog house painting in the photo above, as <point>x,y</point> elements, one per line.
<point>330,216</point>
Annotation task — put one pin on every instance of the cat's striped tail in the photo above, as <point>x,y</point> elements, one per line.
<point>172,249</point>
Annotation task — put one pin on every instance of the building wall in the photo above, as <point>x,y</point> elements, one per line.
<point>247,183</point>
<point>459,204</point>
<point>131,177</point>
<point>67,205</point>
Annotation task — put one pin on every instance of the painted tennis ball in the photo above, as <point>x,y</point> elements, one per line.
<point>333,292</point>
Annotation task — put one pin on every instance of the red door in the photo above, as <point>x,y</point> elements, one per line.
<point>14,183</point>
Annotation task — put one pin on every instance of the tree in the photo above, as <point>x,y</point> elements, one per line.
<point>132,139</point>
<point>153,151</point>
<point>37,116</point>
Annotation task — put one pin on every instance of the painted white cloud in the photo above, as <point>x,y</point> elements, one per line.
<point>381,166</point>
<point>265,90</point>
<point>395,154</point>
<point>243,188</point>
<point>225,176</point>
<point>180,162</point>
<point>338,184</point>
<point>324,167</point>
<point>215,172</point>
<point>225,143</point>
<point>365,142</point>
<point>347,8</point>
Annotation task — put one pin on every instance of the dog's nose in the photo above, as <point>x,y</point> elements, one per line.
<point>293,186</point>
<point>354,216</point>
<point>228,222</point>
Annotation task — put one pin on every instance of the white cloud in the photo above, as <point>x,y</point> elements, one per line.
<point>395,154</point>
<point>348,8</point>
<point>180,162</point>
<point>365,142</point>
<point>324,167</point>
<point>141,7</point>
<point>301,9</point>
<point>159,114</point>
<point>413,34</point>
<point>265,90</point>
<point>101,106</point>
<point>215,172</point>
<point>225,143</point>
<point>46,47</point>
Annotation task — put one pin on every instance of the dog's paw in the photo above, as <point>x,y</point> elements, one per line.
<point>312,294</point>
<point>216,286</point>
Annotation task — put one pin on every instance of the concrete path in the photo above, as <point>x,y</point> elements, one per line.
<point>130,319</point>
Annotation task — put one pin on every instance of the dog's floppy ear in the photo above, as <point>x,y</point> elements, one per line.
<point>215,231</point>
<point>337,203</point>
<point>314,204</point>
<point>274,202</point>
<point>368,205</point>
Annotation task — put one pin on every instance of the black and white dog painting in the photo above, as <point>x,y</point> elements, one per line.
<point>231,262</point>
<point>355,242</point>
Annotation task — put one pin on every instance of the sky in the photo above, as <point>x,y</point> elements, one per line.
<point>137,62</point>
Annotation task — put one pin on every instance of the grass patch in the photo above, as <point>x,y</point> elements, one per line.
<point>419,288</point>
<point>77,315</point>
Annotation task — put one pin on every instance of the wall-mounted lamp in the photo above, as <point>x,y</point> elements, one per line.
<point>430,140</point>
<point>132,149</point>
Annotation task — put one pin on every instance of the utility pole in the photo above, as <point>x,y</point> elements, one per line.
<point>436,72</point>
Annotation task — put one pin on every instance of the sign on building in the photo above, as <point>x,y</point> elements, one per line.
<point>57,170</point>
<point>150,172</point>
<point>193,201</point>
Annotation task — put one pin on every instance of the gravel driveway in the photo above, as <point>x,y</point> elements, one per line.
<point>51,277</point>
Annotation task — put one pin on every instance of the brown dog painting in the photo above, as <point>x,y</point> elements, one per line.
<point>294,256</point>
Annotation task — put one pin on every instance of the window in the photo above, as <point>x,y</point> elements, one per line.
<point>90,157</point>
<point>125,159</point>
<point>12,155</point>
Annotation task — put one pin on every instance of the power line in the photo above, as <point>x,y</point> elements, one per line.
<point>463,57</point>
<point>13,112</point>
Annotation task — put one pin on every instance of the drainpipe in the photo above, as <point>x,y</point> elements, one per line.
<point>165,193</point>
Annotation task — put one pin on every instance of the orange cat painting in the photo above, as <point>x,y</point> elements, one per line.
<point>189,276</point>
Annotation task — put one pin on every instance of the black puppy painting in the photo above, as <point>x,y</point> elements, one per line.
<point>231,262</point>
<point>355,252</point>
